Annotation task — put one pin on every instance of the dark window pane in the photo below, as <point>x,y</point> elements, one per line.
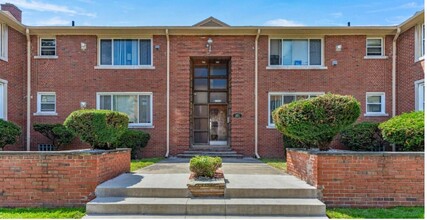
<point>288,99</point>
<point>105,102</point>
<point>145,52</point>
<point>218,70</point>
<point>374,108</point>
<point>106,58</point>
<point>47,107</point>
<point>200,137</point>
<point>201,84</point>
<point>201,111</point>
<point>200,97</point>
<point>275,102</point>
<point>275,51</point>
<point>200,72</point>
<point>218,97</point>
<point>315,52</point>
<point>201,124</point>
<point>218,84</point>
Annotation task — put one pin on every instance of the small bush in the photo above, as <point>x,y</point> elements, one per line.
<point>99,128</point>
<point>58,134</point>
<point>364,136</point>
<point>406,130</point>
<point>289,142</point>
<point>317,121</point>
<point>133,139</point>
<point>8,133</point>
<point>204,166</point>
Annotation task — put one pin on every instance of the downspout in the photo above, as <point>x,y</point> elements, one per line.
<point>167,92</point>
<point>256,94</point>
<point>393,75</point>
<point>27,31</point>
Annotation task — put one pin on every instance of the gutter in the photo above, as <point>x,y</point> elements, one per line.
<point>27,32</point>
<point>256,94</point>
<point>167,91</point>
<point>393,72</point>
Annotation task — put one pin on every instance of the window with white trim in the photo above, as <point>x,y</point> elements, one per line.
<point>47,47</point>
<point>419,95</point>
<point>375,103</point>
<point>374,46</point>
<point>277,99</point>
<point>419,41</point>
<point>296,52</point>
<point>3,41</point>
<point>138,106</point>
<point>125,52</point>
<point>46,102</point>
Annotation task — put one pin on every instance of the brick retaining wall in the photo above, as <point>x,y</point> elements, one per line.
<point>361,179</point>
<point>57,179</point>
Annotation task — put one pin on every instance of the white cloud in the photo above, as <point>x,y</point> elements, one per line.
<point>282,22</point>
<point>42,6</point>
<point>55,21</point>
<point>336,14</point>
<point>409,5</point>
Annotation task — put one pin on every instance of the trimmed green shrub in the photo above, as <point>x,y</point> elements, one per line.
<point>289,142</point>
<point>99,128</point>
<point>133,139</point>
<point>406,130</point>
<point>8,133</point>
<point>317,121</point>
<point>364,136</point>
<point>205,166</point>
<point>58,134</point>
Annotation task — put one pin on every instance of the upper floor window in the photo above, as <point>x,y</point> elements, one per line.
<point>125,52</point>
<point>296,52</point>
<point>47,47</point>
<point>419,41</point>
<point>3,41</point>
<point>374,46</point>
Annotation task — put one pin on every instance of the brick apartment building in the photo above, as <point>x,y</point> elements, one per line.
<point>207,85</point>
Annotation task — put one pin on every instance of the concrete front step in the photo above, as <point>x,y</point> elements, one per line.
<point>212,154</point>
<point>190,206</point>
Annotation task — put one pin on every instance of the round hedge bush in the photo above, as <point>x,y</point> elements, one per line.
<point>406,130</point>
<point>99,128</point>
<point>317,120</point>
<point>8,133</point>
<point>364,136</point>
<point>133,139</point>
<point>58,134</point>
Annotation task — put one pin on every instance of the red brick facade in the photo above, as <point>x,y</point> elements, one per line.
<point>74,79</point>
<point>45,179</point>
<point>362,179</point>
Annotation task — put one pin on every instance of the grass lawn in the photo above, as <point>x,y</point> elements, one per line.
<point>398,212</point>
<point>42,213</point>
<point>276,163</point>
<point>138,164</point>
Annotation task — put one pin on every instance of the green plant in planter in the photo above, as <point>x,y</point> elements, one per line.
<point>8,133</point>
<point>205,166</point>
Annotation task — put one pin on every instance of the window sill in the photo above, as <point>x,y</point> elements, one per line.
<point>45,57</point>
<point>45,114</point>
<point>270,127</point>
<point>419,59</point>
<point>140,126</point>
<point>4,59</point>
<point>131,67</point>
<point>375,114</point>
<point>375,57</point>
<point>296,67</point>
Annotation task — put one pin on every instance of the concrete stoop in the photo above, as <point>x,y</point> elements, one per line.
<point>137,194</point>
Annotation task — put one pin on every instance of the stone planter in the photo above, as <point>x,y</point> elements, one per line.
<point>207,187</point>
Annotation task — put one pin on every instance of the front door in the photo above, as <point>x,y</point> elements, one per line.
<point>210,102</point>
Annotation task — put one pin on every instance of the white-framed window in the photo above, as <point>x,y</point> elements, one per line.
<point>419,41</point>
<point>3,99</point>
<point>3,42</point>
<point>374,46</point>
<point>125,52</point>
<point>375,104</point>
<point>46,103</point>
<point>419,95</point>
<point>296,52</point>
<point>47,47</point>
<point>137,105</point>
<point>277,99</point>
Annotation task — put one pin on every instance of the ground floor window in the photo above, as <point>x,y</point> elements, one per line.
<point>375,104</point>
<point>419,95</point>
<point>46,103</point>
<point>3,101</point>
<point>138,106</point>
<point>276,99</point>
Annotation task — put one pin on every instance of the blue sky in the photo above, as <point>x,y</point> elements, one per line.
<point>232,12</point>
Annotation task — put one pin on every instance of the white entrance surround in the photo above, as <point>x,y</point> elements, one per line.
<point>419,95</point>
<point>3,99</point>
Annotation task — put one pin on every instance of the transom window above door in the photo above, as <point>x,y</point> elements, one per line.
<point>125,52</point>
<point>296,52</point>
